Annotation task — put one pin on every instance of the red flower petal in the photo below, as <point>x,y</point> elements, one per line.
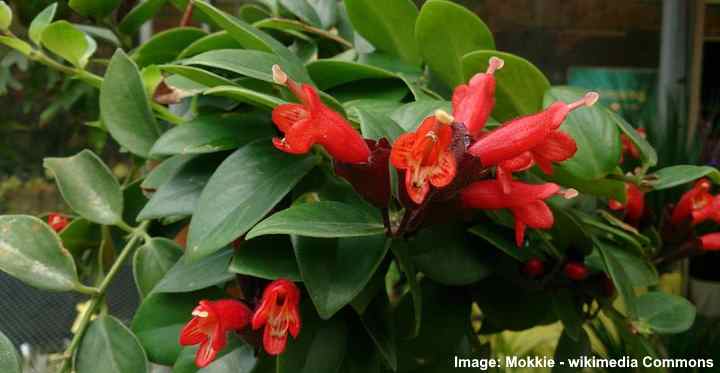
<point>191,333</point>
<point>286,115</point>
<point>557,147</point>
<point>488,194</point>
<point>402,150</point>
<point>206,354</point>
<point>417,193</point>
<point>535,215</point>
<point>274,345</point>
<point>444,172</point>
<point>710,242</point>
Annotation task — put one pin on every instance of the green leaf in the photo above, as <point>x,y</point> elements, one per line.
<point>141,13</point>
<point>568,312</point>
<point>163,172</point>
<point>252,38</point>
<point>328,73</point>
<point>445,33</point>
<point>10,361</point>
<point>320,347</point>
<point>379,324</point>
<point>602,187</point>
<point>213,133</point>
<point>252,13</point>
<point>673,176</point>
<point>269,257</point>
<point>401,252</point>
<point>198,75</point>
<point>250,63</point>
<point>215,41</point>
<point>65,40</point>
<point>665,313</point>
<point>640,273</point>
<point>152,261</point>
<point>445,255</point>
<point>245,187</point>
<point>596,136</point>
<point>520,85</point>
<point>186,276</point>
<point>237,357</point>
<point>165,46</point>
<point>388,25</point>
<point>88,187</point>
<point>302,10</point>
<point>619,276</point>
<point>179,195</point>
<point>506,246</point>
<point>570,348</point>
<point>409,116</point>
<point>125,107</point>
<point>6,16</point>
<point>108,346</point>
<point>321,219</point>
<point>327,10</point>
<point>336,270</point>
<point>33,253</point>
<point>94,8</point>
<point>245,95</point>
<point>647,153</point>
<point>159,319</point>
<point>377,125</point>
<point>80,235</point>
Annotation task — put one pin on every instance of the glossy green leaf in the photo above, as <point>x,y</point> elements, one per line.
<point>152,261</point>
<point>665,313</point>
<point>163,172</point>
<point>409,116</point>
<point>445,255</point>
<point>269,257</point>
<point>377,125</point>
<point>569,312</point>
<point>80,235</point>
<point>236,357</point>
<point>198,75</point>
<point>619,275</point>
<point>33,253</point>
<point>179,195</point>
<point>673,176</point>
<point>648,155</point>
<point>250,63</point>
<point>94,8</point>
<point>445,33</point>
<point>596,136</point>
<point>302,10</point>
<point>245,187</point>
<point>639,272</point>
<point>328,73</point>
<point>213,133</point>
<point>494,238</point>
<point>569,348</point>
<point>10,361</point>
<point>165,46</point>
<point>125,107</point>
<point>100,33</point>
<point>388,25</point>
<point>6,16</point>
<point>252,13</point>
<point>88,187</point>
<point>520,85</point>
<point>245,95</point>
<point>141,13</point>
<point>215,41</point>
<point>379,324</point>
<point>159,319</point>
<point>65,40</point>
<point>252,38</point>
<point>336,270</point>
<point>108,346</point>
<point>321,219</point>
<point>327,11</point>
<point>602,187</point>
<point>401,251</point>
<point>186,276</point>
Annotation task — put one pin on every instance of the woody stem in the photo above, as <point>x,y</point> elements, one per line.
<point>137,234</point>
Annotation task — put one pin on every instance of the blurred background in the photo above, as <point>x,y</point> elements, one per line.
<point>653,61</point>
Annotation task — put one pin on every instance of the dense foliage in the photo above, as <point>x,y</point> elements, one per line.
<point>329,186</point>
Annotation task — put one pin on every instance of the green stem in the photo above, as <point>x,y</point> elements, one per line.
<point>137,234</point>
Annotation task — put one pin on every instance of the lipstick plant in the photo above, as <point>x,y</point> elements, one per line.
<point>325,186</point>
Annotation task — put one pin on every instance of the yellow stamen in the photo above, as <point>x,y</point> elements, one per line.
<point>444,117</point>
<point>494,64</point>
<point>569,193</point>
<point>201,314</point>
<point>279,76</point>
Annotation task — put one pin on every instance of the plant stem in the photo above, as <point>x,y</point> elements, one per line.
<point>314,30</point>
<point>137,234</point>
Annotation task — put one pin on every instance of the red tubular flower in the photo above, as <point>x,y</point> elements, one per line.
<point>426,156</point>
<point>710,242</point>
<point>473,102</point>
<point>710,210</point>
<point>57,222</point>
<point>209,326</point>
<point>279,313</point>
<point>311,122</point>
<point>635,206</point>
<point>529,140</point>
<point>694,199</point>
<point>628,147</point>
<point>525,201</point>
<point>370,180</point>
